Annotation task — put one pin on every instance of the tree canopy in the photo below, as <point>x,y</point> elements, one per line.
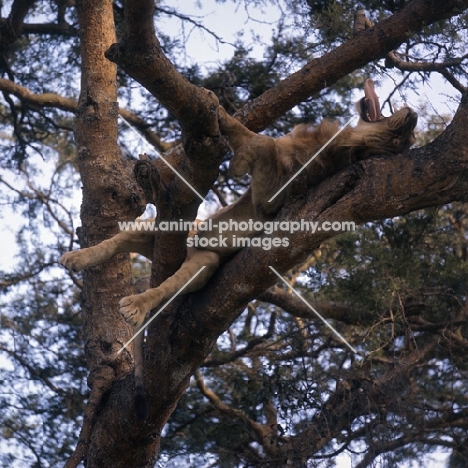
<point>241,373</point>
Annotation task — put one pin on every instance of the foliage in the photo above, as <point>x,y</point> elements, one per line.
<point>403,280</point>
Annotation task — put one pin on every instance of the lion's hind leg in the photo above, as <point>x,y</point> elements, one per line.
<point>197,269</point>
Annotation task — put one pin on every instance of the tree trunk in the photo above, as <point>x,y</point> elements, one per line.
<point>182,337</point>
<point>109,194</point>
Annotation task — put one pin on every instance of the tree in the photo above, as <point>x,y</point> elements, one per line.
<point>277,388</point>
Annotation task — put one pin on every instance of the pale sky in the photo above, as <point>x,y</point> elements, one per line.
<point>226,20</point>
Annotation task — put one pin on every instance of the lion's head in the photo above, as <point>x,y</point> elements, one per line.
<point>383,135</point>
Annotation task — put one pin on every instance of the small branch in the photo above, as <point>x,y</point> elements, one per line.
<point>292,305</point>
<point>263,433</point>
<point>11,28</point>
<point>352,399</point>
<point>144,129</point>
<point>453,81</point>
<point>51,29</point>
<point>171,13</point>
<point>52,100</point>
<point>34,372</point>
<point>13,279</point>
<point>423,66</point>
<point>418,435</point>
<point>232,356</point>
<point>392,60</point>
<point>220,195</point>
<point>44,198</point>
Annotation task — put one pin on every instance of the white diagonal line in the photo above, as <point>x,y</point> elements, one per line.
<point>161,309</point>
<point>134,130</point>
<point>342,338</point>
<point>311,159</point>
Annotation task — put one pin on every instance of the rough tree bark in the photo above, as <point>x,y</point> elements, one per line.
<point>183,336</point>
<point>109,194</point>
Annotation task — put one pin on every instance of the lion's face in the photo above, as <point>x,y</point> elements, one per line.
<point>389,135</point>
<point>384,135</point>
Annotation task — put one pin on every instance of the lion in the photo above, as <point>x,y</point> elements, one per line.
<point>271,163</point>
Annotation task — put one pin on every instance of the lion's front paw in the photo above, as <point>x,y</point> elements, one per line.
<point>133,309</point>
<point>76,260</point>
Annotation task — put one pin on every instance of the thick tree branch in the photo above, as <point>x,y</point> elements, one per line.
<point>433,175</point>
<point>368,45</point>
<point>419,179</point>
<point>140,55</point>
<point>38,100</point>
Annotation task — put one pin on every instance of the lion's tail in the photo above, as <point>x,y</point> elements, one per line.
<point>139,403</point>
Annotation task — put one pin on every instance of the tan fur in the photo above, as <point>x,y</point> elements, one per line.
<point>271,163</point>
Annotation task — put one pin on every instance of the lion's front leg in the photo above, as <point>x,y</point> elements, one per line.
<point>78,260</point>
<point>125,241</point>
<point>194,273</point>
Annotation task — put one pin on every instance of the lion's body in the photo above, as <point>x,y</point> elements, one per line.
<point>271,163</point>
